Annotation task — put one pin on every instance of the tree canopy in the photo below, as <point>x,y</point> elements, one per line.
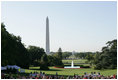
<point>108,57</point>
<point>35,54</point>
<point>13,51</point>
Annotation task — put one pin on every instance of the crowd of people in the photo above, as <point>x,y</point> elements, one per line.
<point>42,75</point>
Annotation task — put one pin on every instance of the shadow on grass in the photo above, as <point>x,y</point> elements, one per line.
<point>65,76</point>
<point>47,70</point>
<point>52,70</point>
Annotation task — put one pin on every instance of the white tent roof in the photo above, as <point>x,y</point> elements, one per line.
<point>13,66</point>
<point>3,68</point>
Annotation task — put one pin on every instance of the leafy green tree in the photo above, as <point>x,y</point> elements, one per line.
<point>66,55</point>
<point>44,62</point>
<point>82,55</point>
<point>54,61</point>
<point>96,57</point>
<point>13,51</point>
<point>35,54</point>
<point>57,58</point>
<point>108,57</point>
<point>60,53</point>
<point>90,58</point>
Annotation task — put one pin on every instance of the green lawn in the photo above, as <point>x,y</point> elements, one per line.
<point>65,72</point>
<point>66,62</point>
<point>75,61</point>
<point>62,71</point>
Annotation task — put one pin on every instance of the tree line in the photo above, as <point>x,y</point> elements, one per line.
<point>13,52</point>
<point>106,59</point>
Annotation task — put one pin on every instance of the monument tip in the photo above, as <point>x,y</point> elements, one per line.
<point>47,16</point>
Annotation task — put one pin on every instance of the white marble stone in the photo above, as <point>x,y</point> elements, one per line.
<point>47,37</point>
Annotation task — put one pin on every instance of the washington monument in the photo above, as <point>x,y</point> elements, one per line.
<point>47,36</point>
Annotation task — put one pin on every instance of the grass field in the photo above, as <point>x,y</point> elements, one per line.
<point>75,61</point>
<point>62,71</point>
<point>65,72</point>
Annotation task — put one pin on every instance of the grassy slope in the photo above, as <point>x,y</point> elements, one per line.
<point>62,71</point>
<point>72,71</point>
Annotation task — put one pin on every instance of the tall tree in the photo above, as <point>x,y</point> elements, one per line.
<point>35,54</point>
<point>108,57</point>
<point>12,50</point>
<point>60,53</point>
<point>44,62</point>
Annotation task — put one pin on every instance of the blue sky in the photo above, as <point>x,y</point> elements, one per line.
<point>74,26</point>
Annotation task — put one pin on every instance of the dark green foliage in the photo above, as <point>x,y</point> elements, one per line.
<point>66,55</point>
<point>59,54</point>
<point>90,58</point>
<point>44,62</point>
<point>13,51</point>
<point>107,59</point>
<point>11,70</point>
<point>83,55</point>
<point>58,62</point>
<point>35,54</point>
<point>51,60</point>
<point>54,61</point>
<point>98,66</point>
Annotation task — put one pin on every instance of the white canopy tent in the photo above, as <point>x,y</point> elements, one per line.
<point>12,66</point>
<point>3,68</point>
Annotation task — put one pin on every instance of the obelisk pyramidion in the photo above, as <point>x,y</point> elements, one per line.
<point>47,36</point>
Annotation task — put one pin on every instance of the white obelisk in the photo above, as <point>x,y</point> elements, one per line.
<point>47,36</point>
